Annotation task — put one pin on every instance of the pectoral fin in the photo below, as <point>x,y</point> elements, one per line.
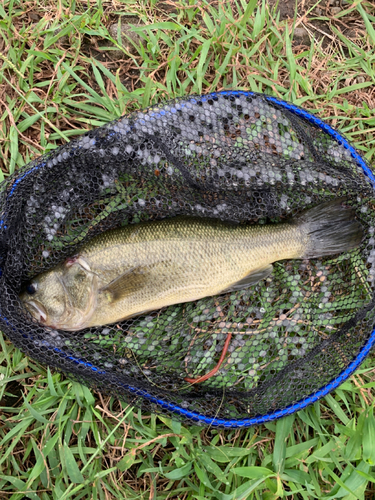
<point>129,282</point>
<point>251,279</point>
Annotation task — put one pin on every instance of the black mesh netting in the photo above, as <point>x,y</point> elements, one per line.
<point>236,156</point>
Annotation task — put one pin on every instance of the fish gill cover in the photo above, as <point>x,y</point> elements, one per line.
<point>236,156</point>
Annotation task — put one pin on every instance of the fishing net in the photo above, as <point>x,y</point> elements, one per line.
<point>240,157</point>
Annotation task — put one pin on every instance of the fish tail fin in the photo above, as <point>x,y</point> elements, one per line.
<point>331,228</point>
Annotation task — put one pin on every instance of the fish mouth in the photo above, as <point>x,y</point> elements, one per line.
<point>37,310</point>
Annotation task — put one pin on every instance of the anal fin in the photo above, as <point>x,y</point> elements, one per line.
<point>251,279</point>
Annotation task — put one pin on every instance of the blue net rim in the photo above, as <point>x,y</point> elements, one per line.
<point>247,422</point>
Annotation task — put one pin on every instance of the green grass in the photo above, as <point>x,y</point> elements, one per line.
<point>58,439</point>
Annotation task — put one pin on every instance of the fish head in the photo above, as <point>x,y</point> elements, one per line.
<point>64,297</point>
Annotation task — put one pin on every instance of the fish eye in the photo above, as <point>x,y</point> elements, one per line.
<point>31,289</point>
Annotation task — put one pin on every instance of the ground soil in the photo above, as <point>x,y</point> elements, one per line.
<point>320,28</point>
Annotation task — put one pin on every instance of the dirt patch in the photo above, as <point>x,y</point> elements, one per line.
<point>13,395</point>
<point>286,8</point>
<point>316,21</point>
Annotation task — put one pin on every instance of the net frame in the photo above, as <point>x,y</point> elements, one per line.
<point>195,416</point>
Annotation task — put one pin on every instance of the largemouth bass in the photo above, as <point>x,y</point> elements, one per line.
<point>139,268</point>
